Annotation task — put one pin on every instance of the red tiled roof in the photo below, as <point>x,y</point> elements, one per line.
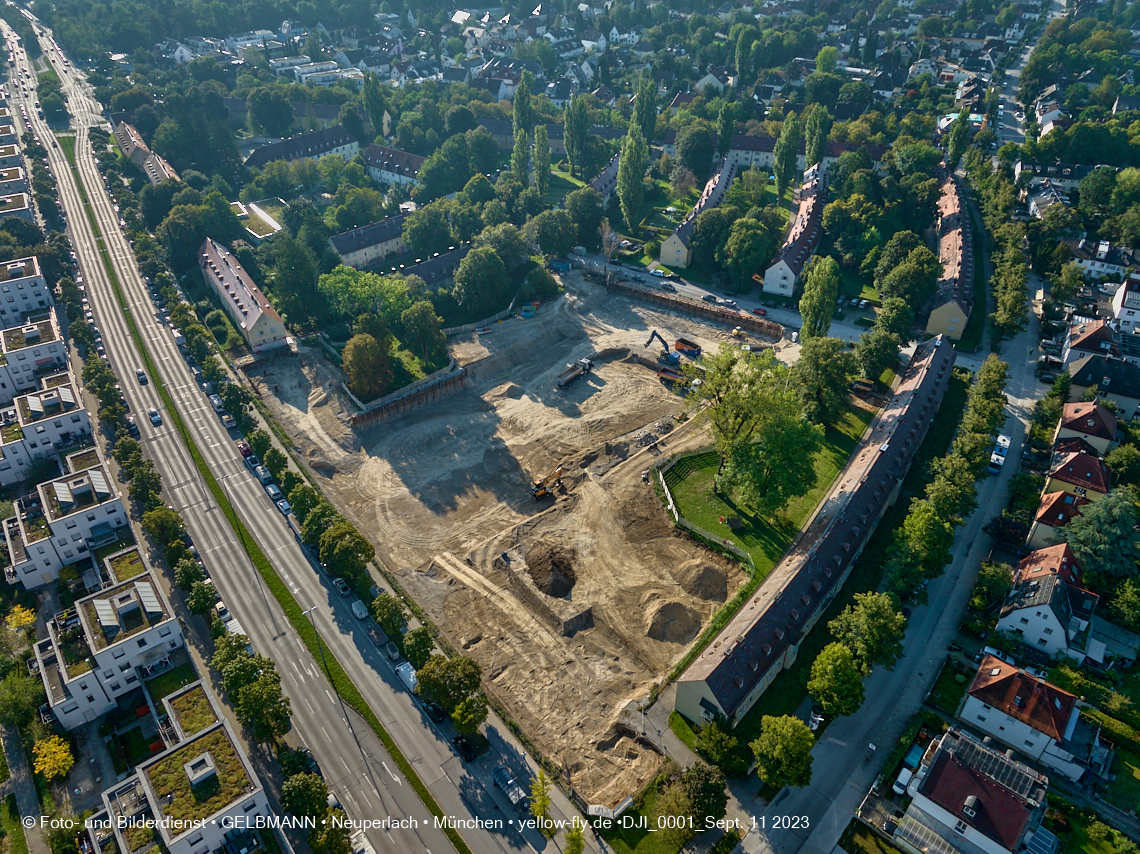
<point>1030,700</point>
<point>1054,560</point>
<point>1092,419</point>
<point>1082,470</point>
<point>998,813</point>
<point>1058,508</point>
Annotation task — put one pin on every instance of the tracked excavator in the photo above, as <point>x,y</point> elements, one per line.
<point>544,487</point>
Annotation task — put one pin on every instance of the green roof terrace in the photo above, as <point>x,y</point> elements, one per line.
<point>202,777</point>
<point>119,612</point>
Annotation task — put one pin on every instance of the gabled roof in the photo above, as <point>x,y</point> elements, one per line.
<point>1057,509</point>
<point>1056,560</point>
<point>1081,469</point>
<point>1091,419</point>
<point>1046,590</point>
<point>1030,700</point>
<point>393,160</point>
<point>373,234</point>
<point>303,145</point>
<point>1112,376</point>
<point>1095,337</point>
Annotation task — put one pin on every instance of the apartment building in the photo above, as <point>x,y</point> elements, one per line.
<point>40,424</point>
<point>677,248</point>
<point>17,204</point>
<point>954,299</point>
<point>314,146</point>
<point>29,352</point>
<point>13,180</point>
<point>1126,305</point>
<point>99,649</point>
<point>257,321</point>
<point>23,290</point>
<point>802,239</point>
<point>392,166</point>
<point>10,157</point>
<point>360,247</point>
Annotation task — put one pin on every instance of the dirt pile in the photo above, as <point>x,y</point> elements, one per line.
<point>672,622</point>
<point>551,567</point>
<point>702,580</point>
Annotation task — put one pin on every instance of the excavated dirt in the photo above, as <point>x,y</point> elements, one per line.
<point>551,566</point>
<point>598,596</point>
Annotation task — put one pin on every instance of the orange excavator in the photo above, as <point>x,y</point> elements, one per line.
<point>544,488</point>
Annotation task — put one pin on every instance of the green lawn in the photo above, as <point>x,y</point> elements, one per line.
<point>639,840</point>
<point>561,184</point>
<point>12,837</point>
<point>1124,791</point>
<point>170,681</point>
<point>766,540</point>
<point>948,691</point>
<point>860,839</point>
<point>1071,824</point>
<point>851,284</point>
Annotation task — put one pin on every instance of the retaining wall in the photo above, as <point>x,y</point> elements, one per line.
<point>422,397</point>
<point>706,311</point>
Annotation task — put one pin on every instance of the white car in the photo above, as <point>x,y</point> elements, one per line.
<point>657,274</point>
<point>223,612</point>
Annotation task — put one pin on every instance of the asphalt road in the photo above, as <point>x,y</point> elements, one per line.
<point>356,766</point>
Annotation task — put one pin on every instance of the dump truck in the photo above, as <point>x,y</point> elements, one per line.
<point>573,371</point>
<point>670,377</point>
<point>544,488</point>
<point>509,785</point>
<point>690,348</point>
<point>667,357</point>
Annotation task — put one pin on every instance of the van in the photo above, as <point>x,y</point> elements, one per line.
<point>407,675</point>
<point>359,610</point>
<point>1001,656</point>
<point>899,788</point>
<point>263,474</point>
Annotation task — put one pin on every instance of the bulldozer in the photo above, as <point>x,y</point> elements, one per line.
<point>739,333</point>
<point>544,487</point>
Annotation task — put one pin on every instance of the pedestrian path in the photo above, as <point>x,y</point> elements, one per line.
<point>24,786</point>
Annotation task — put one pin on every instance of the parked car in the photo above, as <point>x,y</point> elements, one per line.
<point>728,303</point>
<point>1034,671</point>
<point>155,418</point>
<point>274,492</point>
<point>252,461</point>
<point>244,449</point>
<point>668,288</point>
<point>341,587</point>
<point>463,748</point>
<point>228,421</point>
<point>760,312</point>
<point>1048,379</point>
<point>283,506</point>
<point>709,298</point>
<point>223,611</point>
<point>435,712</point>
<point>216,402</point>
<point>392,650</point>
<point>657,274</point>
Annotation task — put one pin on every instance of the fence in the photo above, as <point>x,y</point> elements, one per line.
<point>750,322</point>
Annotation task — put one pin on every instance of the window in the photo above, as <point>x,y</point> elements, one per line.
<point>1042,642</point>
<point>70,526</point>
<point>1028,743</point>
<point>960,827</point>
<point>164,632</point>
<point>114,686</point>
<point>90,699</point>
<point>90,517</point>
<point>981,719</point>
<point>74,419</point>
<point>119,653</point>
<point>70,707</point>
<point>251,805</point>
<point>1048,631</point>
<point>142,642</point>
<point>1025,621</point>
<point>132,678</point>
<point>123,668</point>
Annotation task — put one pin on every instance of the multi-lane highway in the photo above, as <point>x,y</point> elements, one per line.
<point>356,766</point>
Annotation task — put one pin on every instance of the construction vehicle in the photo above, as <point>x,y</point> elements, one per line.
<point>668,357</point>
<point>544,487</point>
<point>670,377</point>
<point>738,333</point>
<point>572,372</point>
<point>690,348</point>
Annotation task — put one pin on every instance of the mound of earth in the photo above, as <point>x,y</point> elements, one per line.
<point>703,580</point>
<point>672,622</point>
<point>551,567</point>
<point>511,390</point>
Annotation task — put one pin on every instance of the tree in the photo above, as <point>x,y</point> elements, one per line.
<point>876,351</point>
<point>540,801</point>
<point>1124,462</point>
<point>554,231</point>
<point>711,230</point>
<point>720,748</point>
<point>585,208</point>
<point>750,246</point>
<point>992,585</point>
<point>897,318</point>
<point>836,681</point>
<point>673,803</point>
<point>163,525</point>
<point>259,442</point>
<point>520,157</point>
<point>346,551</point>
<point>872,629</point>
<point>957,140</point>
<point>928,534</point>
<point>368,366</point>
<point>821,376</point>
<point>20,617</point>
<point>1067,282</point>
<point>695,148</point>
<point>645,108</point>
<point>52,757</point>
<point>375,101</point>
<point>187,573</point>
<point>270,112</point>
<point>725,128</point>
<point>575,842</point>
<point>320,519</point>
<point>305,795</point>
<point>705,786</point>
<point>522,108</point>
<point>631,172</point>
<point>576,131</point>
<point>785,154</point>
<point>541,161</point>
<point>783,751</point>
<point>275,462</point>
<point>470,713</point>
<point>1125,605</point>
<point>449,681</point>
<point>201,597</point>
<point>303,498</point>
<point>20,698</point>
<point>817,304</point>
<point>508,243</point>
<point>817,126</point>
<point>391,614</point>
<point>1102,537</point>
<point>331,837</point>
<point>914,280</point>
<point>424,327</point>
<point>481,281</point>
<point>264,709</point>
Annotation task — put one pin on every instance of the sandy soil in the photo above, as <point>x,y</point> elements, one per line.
<point>444,495</point>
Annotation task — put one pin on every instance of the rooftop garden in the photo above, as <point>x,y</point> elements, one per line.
<point>81,501</point>
<point>11,433</point>
<point>169,681</point>
<point>76,654</point>
<point>84,460</point>
<point>128,565</point>
<point>14,339</point>
<point>13,202</point>
<point>130,623</point>
<point>258,225</point>
<point>193,711</point>
<point>178,799</point>
<point>56,381</point>
<point>36,528</point>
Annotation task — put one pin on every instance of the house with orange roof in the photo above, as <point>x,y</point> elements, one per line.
<point>1057,509</point>
<point>1079,473</point>
<point>1089,421</point>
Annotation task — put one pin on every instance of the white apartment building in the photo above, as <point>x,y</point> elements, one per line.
<point>63,521</point>
<point>98,650</point>
<point>286,64</point>
<point>301,72</point>
<point>257,321</point>
<point>13,180</point>
<point>29,352</point>
<point>1126,305</point>
<point>240,41</point>
<point>40,424</point>
<point>23,289</point>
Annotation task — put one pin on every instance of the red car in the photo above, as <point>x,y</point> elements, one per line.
<point>245,449</point>
<point>762,312</point>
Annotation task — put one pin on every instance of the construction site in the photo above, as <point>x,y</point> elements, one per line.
<point>516,513</point>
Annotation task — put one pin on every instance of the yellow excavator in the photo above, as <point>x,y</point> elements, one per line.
<point>544,488</point>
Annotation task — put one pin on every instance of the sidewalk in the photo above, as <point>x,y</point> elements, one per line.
<point>22,784</point>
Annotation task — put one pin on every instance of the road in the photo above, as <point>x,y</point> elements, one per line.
<point>355,763</point>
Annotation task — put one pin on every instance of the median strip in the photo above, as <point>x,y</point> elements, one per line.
<point>293,612</point>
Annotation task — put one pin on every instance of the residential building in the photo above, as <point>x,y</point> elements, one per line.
<point>605,182</point>
<point>968,797</point>
<point>955,296</point>
<point>677,250</point>
<point>363,246</point>
<point>392,166</point>
<point>302,72</point>
<point>1099,260</point>
<point>1056,510</point>
<point>17,204</point>
<point>202,793</point>
<point>23,291</point>
<point>436,269</point>
<point>1126,305</point>
<point>1114,379</point>
<point>1038,720</point>
<point>1090,421</point>
<point>138,152</point>
<point>257,321</point>
<point>13,180</point>
<point>286,64</point>
<point>254,38</point>
<point>765,635</point>
<point>1041,196</point>
<point>10,157</point>
<point>333,76</point>
<point>1080,473</point>
<point>715,80</point>
<point>97,650</point>
<point>63,521</point>
<point>28,352</point>
<point>41,424</point>
<point>1090,337</point>
<point>803,238</point>
<point>313,146</point>
<point>1038,613</point>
